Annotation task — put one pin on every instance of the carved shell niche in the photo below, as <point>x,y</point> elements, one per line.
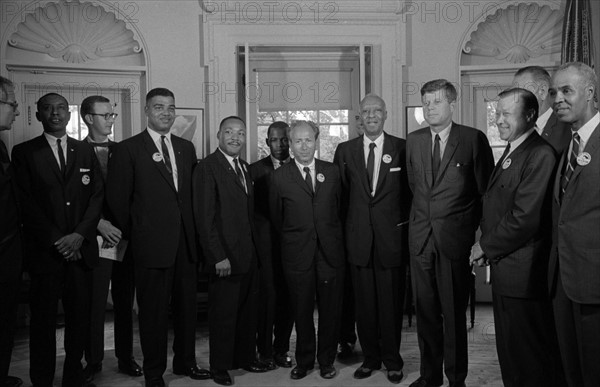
<point>76,32</point>
<point>518,33</point>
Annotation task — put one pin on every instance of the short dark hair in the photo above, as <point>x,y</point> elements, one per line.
<point>39,101</point>
<point>538,73</point>
<point>231,118</point>
<point>527,98</point>
<point>440,84</point>
<point>88,104</point>
<point>277,125</point>
<point>5,85</point>
<point>159,91</point>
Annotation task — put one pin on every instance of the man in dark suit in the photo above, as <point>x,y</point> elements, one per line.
<point>575,255</point>
<point>274,315</point>
<point>537,80</point>
<point>449,166</point>
<point>376,201</point>
<point>10,239</point>
<point>224,214</point>
<point>515,241</point>
<point>97,113</point>
<point>305,206</point>
<point>149,196</point>
<point>61,191</point>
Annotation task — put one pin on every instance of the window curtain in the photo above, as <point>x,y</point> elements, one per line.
<point>577,43</point>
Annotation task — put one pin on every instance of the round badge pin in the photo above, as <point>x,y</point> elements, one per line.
<point>85,179</point>
<point>387,159</point>
<point>157,157</point>
<point>506,163</point>
<point>584,159</point>
<point>320,177</point>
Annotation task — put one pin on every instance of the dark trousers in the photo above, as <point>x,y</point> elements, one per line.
<point>441,291</point>
<point>274,312</point>
<point>232,317</point>
<point>69,281</point>
<point>10,284</point>
<point>326,283</point>
<point>120,276</point>
<point>578,329</point>
<point>379,305</point>
<point>526,342</point>
<point>348,319</point>
<point>156,288</point>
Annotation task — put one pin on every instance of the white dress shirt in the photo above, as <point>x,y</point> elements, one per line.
<point>311,167</point>
<point>377,152</point>
<point>542,121</point>
<point>230,161</point>
<point>54,146</point>
<point>515,144</point>
<point>585,132</point>
<point>444,135</point>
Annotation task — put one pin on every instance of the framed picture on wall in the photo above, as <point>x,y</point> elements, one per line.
<point>189,124</point>
<point>415,118</point>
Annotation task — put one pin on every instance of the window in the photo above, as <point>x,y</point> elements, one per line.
<point>333,126</point>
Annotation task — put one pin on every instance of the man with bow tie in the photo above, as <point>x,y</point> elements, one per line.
<point>97,113</point>
<point>275,322</point>
<point>305,205</point>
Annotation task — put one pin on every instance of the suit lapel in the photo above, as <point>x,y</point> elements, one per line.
<point>318,170</point>
<point>591,147</point>
<point>48,157</point>
<point>558,178</point>
<point>384,168</point>
<point>453,140</point>
<point>426,157</point>
<point>297,177</point>
<point>71,157</point>
<point>549,127</point>
<point>152,150</point>
<point>230,171</point>
<point>358,158</point>
<point>514,155</point>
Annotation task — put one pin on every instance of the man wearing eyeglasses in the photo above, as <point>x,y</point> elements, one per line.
<point>61,192</point>
<point>10,239</point>
<point>149,195</point>
<point>113,267</point>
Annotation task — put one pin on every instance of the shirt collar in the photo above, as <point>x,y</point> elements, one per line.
<point>378,141</point>
<point>156,136</point>
<point>52,140</point>
<point>444,134</point>
<point>515,144</point>
<point>229,158</point>
<point>543,118</point>
<point>279,162</point>
<point>586,130</point>
<point>311,166</point>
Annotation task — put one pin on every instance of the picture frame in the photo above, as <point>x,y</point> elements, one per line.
<point>189,124</point>
<point>414,119</point>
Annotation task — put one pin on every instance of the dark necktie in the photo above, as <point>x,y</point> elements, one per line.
<point>61,156</point>
<point>435,158</point>
<point>570,167</point>
<point>4,159</point>
<point>238,172</point>
<point>166,157</point>
<point>504,155</point>
<point>308,178</point>
<point>102,150</point>
<point>371,164</point>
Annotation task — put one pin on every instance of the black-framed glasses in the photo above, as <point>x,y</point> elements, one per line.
<point>106,116</point>
<point>14,105</point>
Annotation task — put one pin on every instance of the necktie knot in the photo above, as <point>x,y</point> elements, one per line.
<point>372,146</point>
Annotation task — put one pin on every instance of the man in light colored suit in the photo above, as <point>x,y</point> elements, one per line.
<point>149,196</point>
<point>377,201</point>
<point>449,166</point>
<point>537,80</point>
<point>575,255</point>
<point>515,241</point>
<point>305,206</point>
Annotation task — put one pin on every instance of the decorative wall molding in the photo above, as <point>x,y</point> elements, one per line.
<point>516,32</point>
<point>75,32</point>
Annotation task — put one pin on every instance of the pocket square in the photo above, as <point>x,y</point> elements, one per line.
<point>397,169</point>
<point>84,170</point>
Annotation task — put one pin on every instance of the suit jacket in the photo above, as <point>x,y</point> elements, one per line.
<point>557,133</point>
<point>266,245</point>
<point>224,214</point>
<point>307,220</point>
<point>53,205</point>
<point>10,226</point>
<point>576,228</point>
<point>451,208</point>
<point>380,220</point>
<point>515,226</point>
<point>144,203</point>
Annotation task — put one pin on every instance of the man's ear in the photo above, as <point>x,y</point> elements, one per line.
<point>87,119</point>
